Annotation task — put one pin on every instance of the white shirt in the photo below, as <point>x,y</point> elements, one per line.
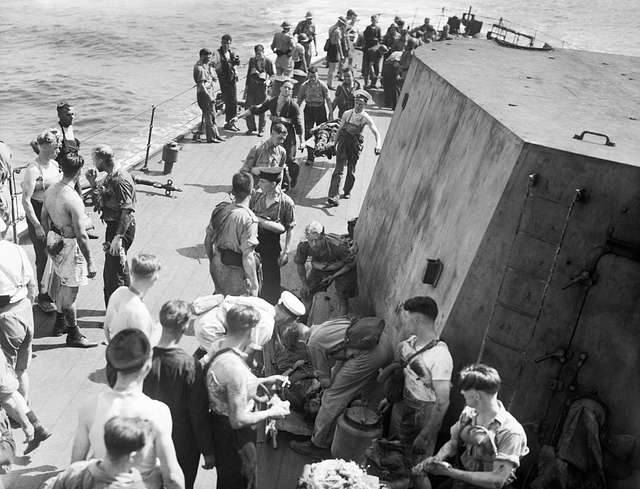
<point>126,310</point>
<point>15,271</point>
<point>211,325</point>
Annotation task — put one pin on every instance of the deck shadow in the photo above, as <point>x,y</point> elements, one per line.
<point>157,193</point>
<point>210,189</point>
<point>50,346</point>
<point>17,479</point>
<point>195,252</point>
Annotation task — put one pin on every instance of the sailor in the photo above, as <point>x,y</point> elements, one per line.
<point>259,71</point>
<point>115,198</point>
<point>343,377</point>
<point>317,105</point>
<point>286,111</point>
<point>419,382</point>
<point>70,145</point>
<point>38,177</point>
<point>204,76</point>
<point>233,392</point>
<point>335,48</point>
<point>225,62</point>
<point>64,223</point>
<point>17,290</point>
<point>129,352</point>
<point>177,379</point>
<point>487,440</point>
<point>269,153</point>
<point>332,260</point>
<point>349,146</point>
<point>275,211</point>
<point>283,44</point>
<point>371,37</point>
<point>391,78</point>
<point>307,27</point>
<point>230,242</point>
<point>209,322</point>
<point>345,93</point>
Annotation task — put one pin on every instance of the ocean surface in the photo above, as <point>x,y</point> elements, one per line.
<point>114,59</point>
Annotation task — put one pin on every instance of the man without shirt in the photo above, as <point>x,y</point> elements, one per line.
<point>123,439</point>
<point>129,352</point>
<point>64,223</point>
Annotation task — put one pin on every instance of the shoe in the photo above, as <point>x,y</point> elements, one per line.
<point>346,196</point>
<point>249,133</point>
<point>308,162</point>
<point>309,449</point>
<point>260,134</point>
<point>39,435</point>
<point>220,140</point>
<point>215,141</point>
<point>231,127</point>
<point>332,202</point>
<point>80,342</point>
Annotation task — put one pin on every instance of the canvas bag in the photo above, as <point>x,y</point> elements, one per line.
<point>361,334</point>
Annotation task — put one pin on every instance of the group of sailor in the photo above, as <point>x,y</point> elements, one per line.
<point>164,407</point>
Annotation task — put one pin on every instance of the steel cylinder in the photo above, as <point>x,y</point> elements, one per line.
<point>170,156</point>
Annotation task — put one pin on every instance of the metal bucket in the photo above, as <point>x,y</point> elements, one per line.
<point>357,427</point>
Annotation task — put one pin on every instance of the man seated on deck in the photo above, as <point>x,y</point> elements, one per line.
<point>64,222</point>
<point>230,242</point>
<point>129,352</point>
<point>332,260</point>
<point>487,440</point>
<point>344,373</point>
<point>124,438</point>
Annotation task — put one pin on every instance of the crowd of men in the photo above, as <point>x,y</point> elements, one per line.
<point>165,408</point>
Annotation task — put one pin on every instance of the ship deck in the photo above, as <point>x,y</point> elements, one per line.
<point>62,379</point>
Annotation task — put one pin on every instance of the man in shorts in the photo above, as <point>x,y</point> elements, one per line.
<point>64,223</point>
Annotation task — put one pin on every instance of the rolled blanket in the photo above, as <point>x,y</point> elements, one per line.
<point>67,260</point>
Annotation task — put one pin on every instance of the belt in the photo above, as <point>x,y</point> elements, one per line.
<point>315,105</point>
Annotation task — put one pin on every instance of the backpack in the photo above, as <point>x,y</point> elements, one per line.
<point>361,334</point>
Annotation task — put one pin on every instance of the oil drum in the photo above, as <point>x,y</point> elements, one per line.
<point>357,427</point>
<point>170,156</point>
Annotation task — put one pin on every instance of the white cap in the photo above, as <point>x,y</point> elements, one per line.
<point>292,304</point>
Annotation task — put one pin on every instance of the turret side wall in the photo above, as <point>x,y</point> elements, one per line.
<point>444,168</point>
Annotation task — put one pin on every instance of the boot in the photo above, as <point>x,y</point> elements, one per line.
<point>40,434</point>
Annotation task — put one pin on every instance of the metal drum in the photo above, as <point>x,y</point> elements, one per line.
<point>170,156</point>
<point>357,427</point>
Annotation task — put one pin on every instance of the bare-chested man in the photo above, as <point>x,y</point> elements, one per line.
<point>64,223</point>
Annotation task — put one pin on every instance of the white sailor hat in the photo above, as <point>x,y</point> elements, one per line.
<point>292,304</point>
<point>363,94</point>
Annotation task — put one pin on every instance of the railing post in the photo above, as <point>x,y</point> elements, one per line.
<point>146,157</point>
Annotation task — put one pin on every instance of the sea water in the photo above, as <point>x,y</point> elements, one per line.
<point>114,59</point>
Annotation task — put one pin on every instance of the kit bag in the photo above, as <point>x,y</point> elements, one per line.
<point>361,334</point>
